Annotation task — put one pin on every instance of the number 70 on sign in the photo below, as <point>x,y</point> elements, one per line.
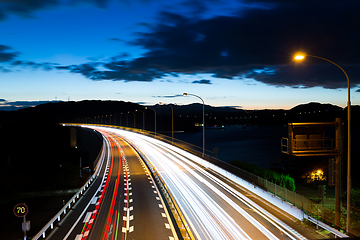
<point>20,210</point>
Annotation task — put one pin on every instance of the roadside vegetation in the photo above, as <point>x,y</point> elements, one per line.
<point>278,178</point>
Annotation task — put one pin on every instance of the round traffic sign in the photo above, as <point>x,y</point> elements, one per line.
<point>20,210</point>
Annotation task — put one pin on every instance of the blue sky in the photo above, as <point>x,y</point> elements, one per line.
<point>230,52</point>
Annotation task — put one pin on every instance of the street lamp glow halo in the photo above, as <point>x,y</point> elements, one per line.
<point>300,56</point>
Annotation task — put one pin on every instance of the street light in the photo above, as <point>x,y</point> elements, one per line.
<point>143,118</point>
<point>301,56</point>
<point>185,94</point>
<point>134,117</point>
<point>127,119</point>
<point>172,122</point>
<point>155,117</point>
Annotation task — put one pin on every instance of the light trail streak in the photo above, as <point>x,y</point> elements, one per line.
<point>205,214</point>
<point>99,204</point>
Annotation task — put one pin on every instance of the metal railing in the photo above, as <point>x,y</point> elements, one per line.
<point>308,146</point>
<point>47,229</point>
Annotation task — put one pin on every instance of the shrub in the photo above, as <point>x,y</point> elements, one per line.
<point>278,178</point>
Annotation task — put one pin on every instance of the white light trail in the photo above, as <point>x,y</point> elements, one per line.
<point>190,185</point>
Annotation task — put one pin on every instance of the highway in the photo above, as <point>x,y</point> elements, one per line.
<point>214,207</point>
<point>123,203</point>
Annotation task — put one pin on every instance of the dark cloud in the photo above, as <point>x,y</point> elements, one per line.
<point>98,3</point>
<point>168,96</point>
<point>116,40</point>
<point>5,55</point>
<point>258,43</point>
<point>255,41</point>
<point>24,7</point>
<point>12,106</point>
<point>203,81</point>
<point>44,65</point>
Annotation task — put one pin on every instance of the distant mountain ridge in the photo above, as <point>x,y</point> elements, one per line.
<point>120,112</point>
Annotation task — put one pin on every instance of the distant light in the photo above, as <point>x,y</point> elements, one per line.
<point>299,57</point>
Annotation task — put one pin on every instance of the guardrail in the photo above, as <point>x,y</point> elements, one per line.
<point>326,227</point>
<point>66,209</point>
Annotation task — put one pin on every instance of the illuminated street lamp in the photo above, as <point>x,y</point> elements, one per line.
<point>155,117</point>
<point>143,118</point>
<point>301,56</point>
<point>134,117</point>
<point>172,122</point>
<point>185,94</point>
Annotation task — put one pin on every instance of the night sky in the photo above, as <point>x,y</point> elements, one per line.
<point>230,52</point>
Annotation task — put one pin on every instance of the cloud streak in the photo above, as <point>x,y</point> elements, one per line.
<point>202,81</point>
<point>255,41</point>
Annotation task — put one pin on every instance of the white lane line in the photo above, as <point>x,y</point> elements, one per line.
<point>87,217</point>
<point>167,225</point>
<point>94,200</point>
<point>78,237</point>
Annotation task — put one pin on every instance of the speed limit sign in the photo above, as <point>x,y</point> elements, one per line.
<point>20,210</point>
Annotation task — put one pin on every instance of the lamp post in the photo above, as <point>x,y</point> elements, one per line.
<point>172,122</point>
<point>348,209</point>
<point>127,119</point>
<point>155,117</point>
<point>186,94</point>
<point>143,118</point>
<point>134,118</point>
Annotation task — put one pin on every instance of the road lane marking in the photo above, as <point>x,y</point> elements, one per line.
<point>87,217</point>
<point>78,237</point>
<point>94,200</point>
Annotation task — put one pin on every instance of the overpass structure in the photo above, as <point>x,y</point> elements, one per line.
<point>144,188</point>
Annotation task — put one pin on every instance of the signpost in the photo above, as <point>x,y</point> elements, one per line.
<point>20,210</point>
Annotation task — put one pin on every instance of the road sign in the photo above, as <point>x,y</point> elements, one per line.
<point>20,210</point>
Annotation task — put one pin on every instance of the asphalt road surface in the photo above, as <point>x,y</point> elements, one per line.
<point>213,206</point>
<point>123,203</point>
